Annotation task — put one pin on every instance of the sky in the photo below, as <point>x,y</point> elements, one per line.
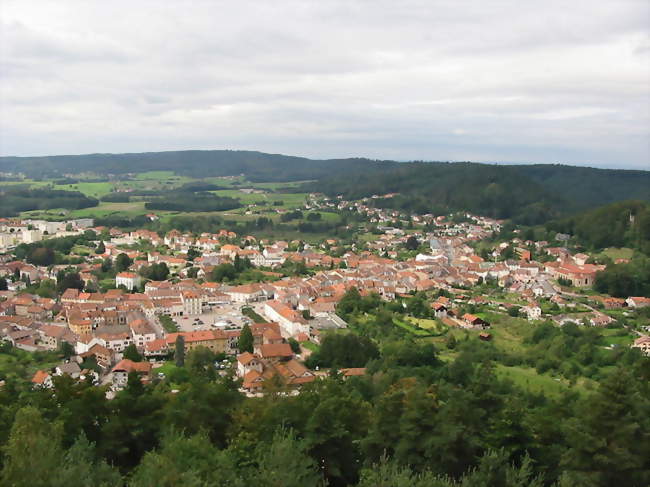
<point>499,81</point>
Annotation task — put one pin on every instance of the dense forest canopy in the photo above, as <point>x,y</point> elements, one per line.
<point>622,224</point>
<point>194,202</point>
<point>13,201</point>
<point>256,166</point>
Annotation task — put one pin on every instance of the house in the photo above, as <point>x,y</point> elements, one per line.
<point>115,341</point>
<point>42,379</point>
<point>637,302</point>
<point>215,340</point>
<point>475,321</point>
<point>486,337</point>
<point>52,336</point>
<point>80,327</point>
<point>246,362</point>
<point>192,303</point>
<point>156,348</point>
<point>643,344</point>
<point>103,356</point>
<point>124,367</point>
<point>70,368</point>
<point>130,280</point>
<point>532,311</point>
<point>291,322</point>
<point>247,293</point>
<point>274,352</point>
<point>613,303</point>
<point>353,372</point>
<point>579,276</point>
<point>439,309</point>
<point>142,332</point>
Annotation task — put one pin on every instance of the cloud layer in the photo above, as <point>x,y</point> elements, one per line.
<point>435,80</point>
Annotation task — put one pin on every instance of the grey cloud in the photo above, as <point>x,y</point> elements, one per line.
<point>492,81</point>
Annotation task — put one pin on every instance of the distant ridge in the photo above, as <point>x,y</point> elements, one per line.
<point>527,193</point>
<point>257,166</point>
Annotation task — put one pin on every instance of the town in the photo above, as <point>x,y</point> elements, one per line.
<point>137,301</point>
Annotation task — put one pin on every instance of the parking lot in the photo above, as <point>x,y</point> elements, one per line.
<point>221,317</point>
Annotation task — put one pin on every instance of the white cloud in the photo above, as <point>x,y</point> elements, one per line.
<point>438,80</point>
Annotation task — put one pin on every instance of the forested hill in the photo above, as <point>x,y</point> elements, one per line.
<point>529,194</point>
<point>622,224</point>
<point>256,166</point>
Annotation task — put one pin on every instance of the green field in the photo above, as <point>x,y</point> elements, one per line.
<point>528,378</point>
<point>507,332</point>
<point>411,329</point>
<point>95,190</point>
<point>102,210</point>
<point>433,326</point>
<point>617,336</point>
<point>275,186</point>
<point>155,175</point>
<point>616,253</point>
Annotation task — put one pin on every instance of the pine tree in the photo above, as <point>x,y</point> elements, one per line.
<point>245,343</point>
<point>180,351</point>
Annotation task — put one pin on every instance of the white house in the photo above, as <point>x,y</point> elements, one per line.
<point>532,311</point>
<point>291,322</point>
<point>129,280</point>
<point>192,303</point>
<point>246,293</point>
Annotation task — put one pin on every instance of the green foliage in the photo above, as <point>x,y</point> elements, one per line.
<point>131,353</point>
<point>250,312</point>
<point>179,351</point>
<point>168,323</point>
<point>16,200</point>
<point>35,456</point>
<point>122,262</point>
<point>623,224</point>
<point>411,243</point>
<point>609,443</point>
<point>189,461</point>
<point>295,346</point>
<point>68,280</point>
<point>200,361</point>
<point>239,270</point>
<point>33,450</point>
<point>624,280</point>
<point>529,194</point>
<point>191,202</point>
<point>41,256</point>
<point>513,311</point>
<point>245,343</point>
<point>157,271</point>
<point>344,350</point>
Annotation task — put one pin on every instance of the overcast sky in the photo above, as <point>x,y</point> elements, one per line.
<point>518,81</point>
